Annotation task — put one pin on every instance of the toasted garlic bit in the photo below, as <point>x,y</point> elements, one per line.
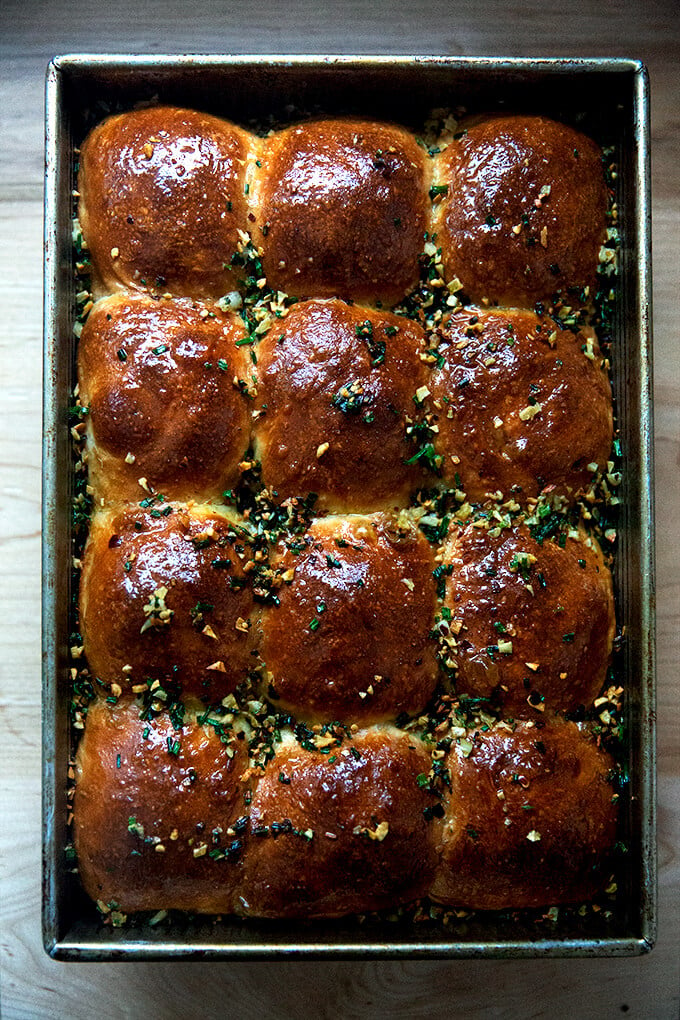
<point>217,667</point>
<point>156,612</point>
<point>377,834</point>
<point>321,449</point>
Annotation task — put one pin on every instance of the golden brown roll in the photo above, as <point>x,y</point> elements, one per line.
<point>339,831</point>
<point>522,405</point>
<point>350,638</point>
<point>162,197</point>
<point>157,810</point>
<point>160,379</point>
<point>531,818</point>
<point>335,393</point>
<point>167,598</point>
<point>342,210</point>
<point>536,620</point>
<point>524,215</point>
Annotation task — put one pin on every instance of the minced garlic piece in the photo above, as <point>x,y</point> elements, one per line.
<point>156,612</point>
<point>530,411</point>
<point>217,667</point>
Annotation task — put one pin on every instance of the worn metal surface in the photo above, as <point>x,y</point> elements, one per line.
<point>606,98</point>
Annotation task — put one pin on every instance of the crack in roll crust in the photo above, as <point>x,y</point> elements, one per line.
<point>158,379</point>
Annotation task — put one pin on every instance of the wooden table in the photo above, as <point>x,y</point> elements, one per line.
<point>31,32</point>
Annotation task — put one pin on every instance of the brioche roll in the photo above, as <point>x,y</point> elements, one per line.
<point>167,599</point>
<point>530,821</point>
<point>338,832</point>
<point>536,620</point>
<point>335,395</point>
<point>156,812</point>
<point>160,379</point>
<point>522,405</point>
<point>342,210</point>
<point>162,197</point>
<point>350,638</point>
<point>525,211</point>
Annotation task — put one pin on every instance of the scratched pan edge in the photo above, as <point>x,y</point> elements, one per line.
<point>613,96</point>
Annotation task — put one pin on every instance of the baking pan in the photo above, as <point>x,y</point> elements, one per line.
<point>607,99</point>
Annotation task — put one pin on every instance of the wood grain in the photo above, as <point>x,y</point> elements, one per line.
<point>33,986</point>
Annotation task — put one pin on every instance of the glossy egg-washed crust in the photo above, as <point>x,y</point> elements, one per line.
<point>552,605</point>
<point>339,625</point>
<point>336,384</point>
<point>198,558</point>
<point>162,197</point>
<point>521,404</point>
<point>171,816</point>
<point>350,638</point>
<point>530,819</point>
<point>342,210</point>
<point>152,801</point>
<point>370,845</point>
<point>161,382</point>
<point>524,214</point>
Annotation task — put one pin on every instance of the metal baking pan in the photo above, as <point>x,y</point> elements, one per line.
<point>606,98</point>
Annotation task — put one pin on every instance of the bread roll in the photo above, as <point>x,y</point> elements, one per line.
<point>350,638</point>
<point>530,821</point>
<point>335,397</point>
<point>522,405</point>
<point>157,810</point>
<point>525,211</point>
<point>536,620</point>
<point>342,210</point>
<point>160,379</point>
<point>167,599</point>
<point>339,832</point>
<point>162,197</point>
